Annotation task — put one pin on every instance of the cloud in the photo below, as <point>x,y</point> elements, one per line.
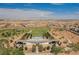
<point>77,13</point>
<point>25,14</point>
<point>68,16</point>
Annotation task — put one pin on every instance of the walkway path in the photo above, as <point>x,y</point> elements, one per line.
<point>37,50</point>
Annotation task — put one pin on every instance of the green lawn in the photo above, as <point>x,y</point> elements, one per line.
<point>6,33</point>
<point>38,31</point>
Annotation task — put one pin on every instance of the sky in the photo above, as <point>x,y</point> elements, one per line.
<point>25,11</point>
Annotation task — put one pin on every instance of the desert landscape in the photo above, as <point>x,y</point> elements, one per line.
<point>45,37</point>
<point>39,29</point>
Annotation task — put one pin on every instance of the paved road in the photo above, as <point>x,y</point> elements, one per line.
<point>36,41</point>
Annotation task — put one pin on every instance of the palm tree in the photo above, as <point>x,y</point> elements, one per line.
<point>47,35</point>
<point>27,35</point>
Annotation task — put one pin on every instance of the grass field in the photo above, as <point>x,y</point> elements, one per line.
<point>37,31</point>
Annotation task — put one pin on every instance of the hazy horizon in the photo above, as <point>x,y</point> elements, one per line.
<point>36,11</point>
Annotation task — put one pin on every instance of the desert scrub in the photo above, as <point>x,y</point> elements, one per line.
<point>56,50</point>
<point>74,47</point>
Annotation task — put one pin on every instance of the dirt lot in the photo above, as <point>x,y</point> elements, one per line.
<point>65,35</point>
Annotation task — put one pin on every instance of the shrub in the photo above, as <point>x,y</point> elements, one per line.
<point>40,47</point>
<point>33,48</point>
<point>75,47</point>
<point>61,29</point>
<point>48,47</point>
<point>11,51</point>
<point>56,50</point>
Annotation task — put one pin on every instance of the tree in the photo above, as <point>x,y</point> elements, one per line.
<point>40,47</point>
<point>48,47</point>
<point>26,48</point>
<point>6,34</point>
<point>56,50</point>
<point>33,48</point>
<point>46,35</point>
<point>27,35</point>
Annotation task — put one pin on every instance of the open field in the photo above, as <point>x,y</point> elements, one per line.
<point>38,31</point>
